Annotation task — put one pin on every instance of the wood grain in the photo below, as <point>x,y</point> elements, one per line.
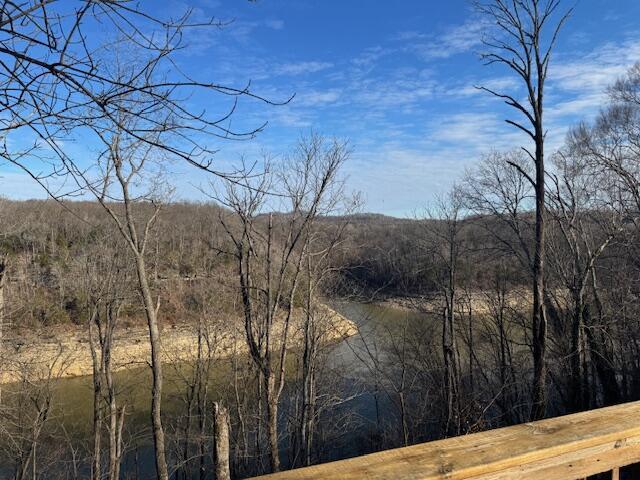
<point>563,448</point>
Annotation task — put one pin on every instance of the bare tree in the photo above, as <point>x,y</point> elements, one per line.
<point>270,250</point>
<point>27,414</point>
<point>500,195</point>
<point>612,143</point>
<point>131,193</point>
<point>106,283</point>
<point>56,79</point>
<point>324,240</point>
<point>587,220</point>
<point>446,246</point>
<point>58,83</point>
<point>498,192</point>
<point>610,149</point>
<point>527,31</point>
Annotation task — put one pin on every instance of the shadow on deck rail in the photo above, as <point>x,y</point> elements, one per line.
<point>564,448</point>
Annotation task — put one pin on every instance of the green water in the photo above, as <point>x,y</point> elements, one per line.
<point>73,400</point>
<point>72,406</point>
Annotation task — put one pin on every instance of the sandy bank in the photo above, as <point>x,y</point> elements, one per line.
<point>479,302</point>
<point>67,353</point>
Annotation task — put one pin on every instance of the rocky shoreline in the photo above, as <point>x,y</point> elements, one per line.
<point>66,353</point>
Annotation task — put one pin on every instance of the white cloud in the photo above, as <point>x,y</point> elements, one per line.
<point>370,56</point>
<point>316,98</point>
<point>453,41</point>
<point>400,180</point>
<point>476,132</point>
<point>302,68</point>
<point>409,35</point>
<point>578,86</point>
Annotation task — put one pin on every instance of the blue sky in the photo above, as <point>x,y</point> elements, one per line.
<point>394,78</point>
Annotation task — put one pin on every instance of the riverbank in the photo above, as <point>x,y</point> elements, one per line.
<point>64,353</point>
<point>476,302</point>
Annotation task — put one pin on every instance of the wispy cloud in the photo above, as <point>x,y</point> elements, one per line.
<point>452,41</point>
<point>578,86</point>
<point>316,98</point>
<point>371,55</point>
<point>302,68</point>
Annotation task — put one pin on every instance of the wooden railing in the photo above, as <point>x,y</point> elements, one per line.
<point>564,448</point>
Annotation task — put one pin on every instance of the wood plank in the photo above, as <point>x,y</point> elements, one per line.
<point>574,445</point>
<point>576,465</point>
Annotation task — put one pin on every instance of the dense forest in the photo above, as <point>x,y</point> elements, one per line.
<point>276,324</point>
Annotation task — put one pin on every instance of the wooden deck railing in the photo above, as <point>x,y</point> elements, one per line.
<point>564,448</point>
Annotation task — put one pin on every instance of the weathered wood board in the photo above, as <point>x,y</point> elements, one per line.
<point>563,448</point>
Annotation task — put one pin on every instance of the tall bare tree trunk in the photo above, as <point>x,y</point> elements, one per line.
<point>94,338</point>
<point>156,369</point>
<point>272,400</point>
<point>579,398</point>
<point>524,43</point>
<point>115,449</point>
<point>221,439</point>
<point>538,409</point>
<point>3,281</point>
<point>450,350</point>
<point>308,379</point>
<point>116,416</point>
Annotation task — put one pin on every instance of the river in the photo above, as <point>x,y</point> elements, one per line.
<point>359,408</point>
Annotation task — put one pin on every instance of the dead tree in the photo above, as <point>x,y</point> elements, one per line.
<point>526,34</point>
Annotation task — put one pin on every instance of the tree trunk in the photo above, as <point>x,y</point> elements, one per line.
<point>116,424</point>
<point>450,370</point>
<point>272,422</point>
<point>539,404</point>
<point>449,348</point>
<point>3,280</point>
<point>201,396</point>
<point>602,357</point>
<point>156,368</point>
<point>307,420</point>
<point>578,355</point>
<point>96,474</point>
<point>221,439</point>
<point>308,401</point>
<point>115,449</point>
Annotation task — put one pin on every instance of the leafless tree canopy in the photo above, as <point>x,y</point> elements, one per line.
<point>58,81</point>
